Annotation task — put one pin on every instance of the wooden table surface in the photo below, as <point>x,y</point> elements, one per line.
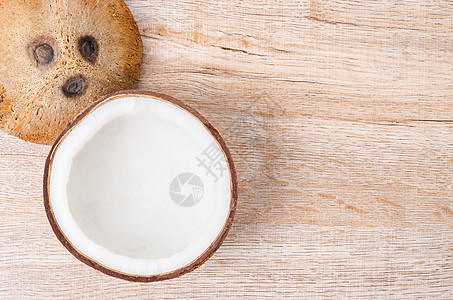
<point>339,115</point>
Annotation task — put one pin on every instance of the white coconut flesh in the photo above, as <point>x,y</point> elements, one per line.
<point>140,186</point>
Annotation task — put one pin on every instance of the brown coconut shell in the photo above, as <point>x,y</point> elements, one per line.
<point>57,57</point>
<point>94,264</point>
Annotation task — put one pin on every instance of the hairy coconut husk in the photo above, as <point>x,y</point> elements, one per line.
<point>59,56</point>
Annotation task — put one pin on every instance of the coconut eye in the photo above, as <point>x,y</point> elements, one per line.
<point>74,86</point>
<point>88,48</point>
<point>44,54</point>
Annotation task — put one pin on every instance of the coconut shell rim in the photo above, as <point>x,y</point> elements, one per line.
<point>109,271</point>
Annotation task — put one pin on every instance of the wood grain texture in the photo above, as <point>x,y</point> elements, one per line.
<point>339,116</point>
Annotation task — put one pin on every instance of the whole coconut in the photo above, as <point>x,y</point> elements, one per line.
<point>59,56</point>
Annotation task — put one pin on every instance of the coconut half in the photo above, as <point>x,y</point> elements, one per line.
<point>140,186</point>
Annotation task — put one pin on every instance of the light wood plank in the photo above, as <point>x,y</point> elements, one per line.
<point>339,115</point>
